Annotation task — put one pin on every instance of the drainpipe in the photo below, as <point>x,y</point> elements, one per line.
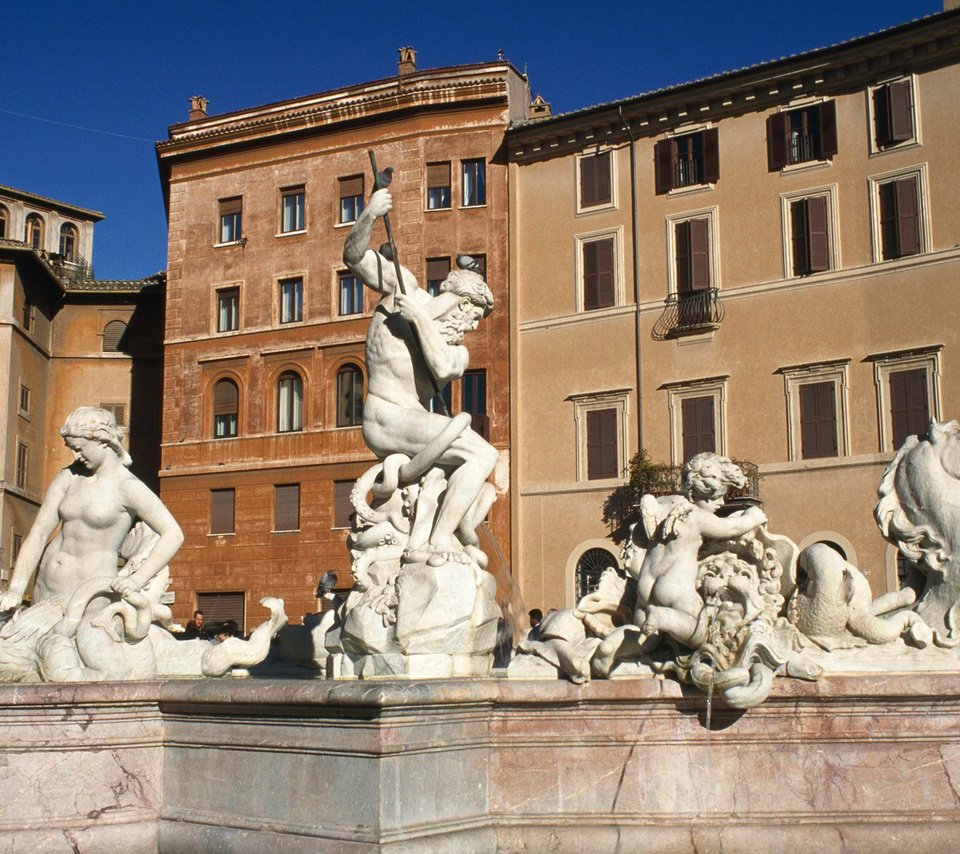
<point>636,268</point>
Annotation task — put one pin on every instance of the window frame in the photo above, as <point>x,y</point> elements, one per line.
<point>711,214</point>
<point>292,192</point>
<point>22,465</point>
<point>229,202</point>
<point>296,379</point>
<point>822,158</point>
<point>667,149</point>
<point>69,231</point>
<point>276,504</point>
<point>345,485</point>
<point>833,231</point>
<point>482,184</point>
<point>616,234</point>
<point>616,399</point>
<point>35,219</point>
<point>428,186</point>
<point>218,295</point>
<point>440,259</point>
<point>212,518</point>
<point>357,420</point>
<point>915,141</point>
<point>298,301</point>
<point>342,276</point>
<point>677,392</point>
<point>885,364</point>
<point>479,421</point>
<point>341,180</point>
<point>610,204</point>
<point>836,371</point>
<point>920,173</point>
<point>23,401</point>
<point>5,222</point>
<point>235,381</point>
<point>118,410</point>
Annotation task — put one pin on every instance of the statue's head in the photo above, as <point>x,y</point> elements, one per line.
<point>97,425</point>
<point>918,509</point>
<point>475,302</point>
<point>708,476</point>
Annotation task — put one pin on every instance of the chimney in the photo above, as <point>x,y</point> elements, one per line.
<point>540,109</point>
<point>408,61</point>
<point>198,107</point>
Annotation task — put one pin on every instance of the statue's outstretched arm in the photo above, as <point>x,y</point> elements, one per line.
<point>374,270</point>
<point>725,528</point>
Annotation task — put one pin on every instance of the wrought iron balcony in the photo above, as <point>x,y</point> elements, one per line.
<point>688,313</point>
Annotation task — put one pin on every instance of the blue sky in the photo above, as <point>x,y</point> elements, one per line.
<point>126,69</point>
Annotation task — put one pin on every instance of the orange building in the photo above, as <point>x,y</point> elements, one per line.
<point>265,327</point>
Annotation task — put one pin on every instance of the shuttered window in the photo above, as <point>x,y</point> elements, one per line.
<point>226,407</point>
<point>286,507</point>
<point>687,161</point>
<point>349,396</point>
<point>342,508</point>
<point>292,215</point>
<point>818,420</point>
<point>219,607</point>
<point>473,182</point>
<point>803,135</point>
<point>809,235</point>
<point>598,273</point>
<point>221,511</point>
<point>909,406</point>
<point>474,400</point>
<point>437,271</point>
<point>231,219</point>
<point>113,334</point>
<point>21,471</point>
<point>698,426</point>
<point>289,402</point>
<point>595,186</point>
<point>602,456</point>
<point>228,310</point>
<point>438,185</point>
<point>893,113</point>
<point>351,198</point>
<point>692,240</point>
<point>899,218</point>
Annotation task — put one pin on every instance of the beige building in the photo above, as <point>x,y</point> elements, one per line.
<point>773,253</point>
<point>66,340</point>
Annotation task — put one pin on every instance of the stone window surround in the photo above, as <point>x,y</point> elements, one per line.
<point>885,364</point>
<point>672,220</point>
<point>612,204</point>
<point>802,102</point>
<point>289,190</point>
<point>918,170</point>
<point>833,229</point>
<point>917,139</point>
<point>677,392</point>
<point>215,292</point>
<point>285,277</point>
<point>794,376</point>
<point>618,399</point>
<point>619,297</point>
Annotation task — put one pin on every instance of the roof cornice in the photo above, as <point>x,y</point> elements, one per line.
<point>45,203</point>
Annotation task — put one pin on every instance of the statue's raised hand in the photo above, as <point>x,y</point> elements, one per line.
<point>381,202</point>
<point>410,310</point>
<point>10,600</point>
<point>124,586</point>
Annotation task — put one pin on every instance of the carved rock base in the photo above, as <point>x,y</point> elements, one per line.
<point>410,666</point>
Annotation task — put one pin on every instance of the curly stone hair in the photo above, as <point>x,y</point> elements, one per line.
<point>98,425</point>
<point>710,476</point>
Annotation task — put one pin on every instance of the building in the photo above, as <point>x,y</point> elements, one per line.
<point>763,263</point>
<point>264,369</point>
<point>67,340</point>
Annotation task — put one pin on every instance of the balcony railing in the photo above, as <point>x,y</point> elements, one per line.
<point>688,313</point>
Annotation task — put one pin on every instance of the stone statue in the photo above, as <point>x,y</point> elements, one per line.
<point>421,589</point>
<point>89,619</point>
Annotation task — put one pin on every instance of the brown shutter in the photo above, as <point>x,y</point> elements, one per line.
<point>818,420</point>
<point>221,511</point>
<point>342,508</point>
<point>219,607</point>
<point>438,174</point>
<point>777,126</point>
<point>698,426</point>
<point>699,254</point>
<point>437,269</point>
<point>828,129</point>
<point>909,410</point>
<point>900,121</point>
<point>602,444</point>
<point>890,247</point>
<point>602,193</point>
<point>711,156</point>
<point>591,298</point>
<point>588,181</point>
<point>664,155</point>
<point>682,242</point>
<point>798,237</point>
<point>605,272</point>
<point>112,333</point>
<point>352,186</point>
<point>908,217</point>
<point>226,398</point>
<point>286,507</point>
<point>231,206</point>
<point>818,251</point>
<point>881,115</point>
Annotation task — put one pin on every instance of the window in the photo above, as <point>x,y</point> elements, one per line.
<point>601,419</point>
<point>113,336</point>
<point>118,411</point>
<point>228,310</point>
<point>596,186</point>
<point>894,114</point>
<point>342,506</point>
<point>291,300</point>
<point>818,424</point>
<point>899,206</point>
<point>351,198</point>
<point>286,507</point>
<point>289,402</point>
<point>24,399</point>
<point>437,270</point>
<point>689,160</point>
<point>218,608</point>
<point>222,511</point>
<point>4,221</point>
<point>592,564</point>
<point>231,220</point>
<point>692,255</point>
<point>474,183</point>
<point>803,135</point>
<point>434,404</point>
<point>438,186</point>
<point>349,396</point>
<point>908,393</point>
<point>809,236</point>
<point>602,444</point>
<point>27,316</point>
<point>598,272</point>
<point>68,242</point>
<point>474,400</point>
<point>15,550</point>
<point>351,294</point>
<point>33,232</point>
<point>226,408</point>
<point>292,216</point>
<point>21,473</point>
<point>697,417</point>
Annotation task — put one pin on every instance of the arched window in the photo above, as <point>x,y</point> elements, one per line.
<point>4,221</point>
<point>226,406</point>
<point>33,233</point>
<point>835,546</point>
<point>590,567</point>
<point>289,402</point>
<point>68,242</point>
<point>113,336</point>
<point>349,396</point>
